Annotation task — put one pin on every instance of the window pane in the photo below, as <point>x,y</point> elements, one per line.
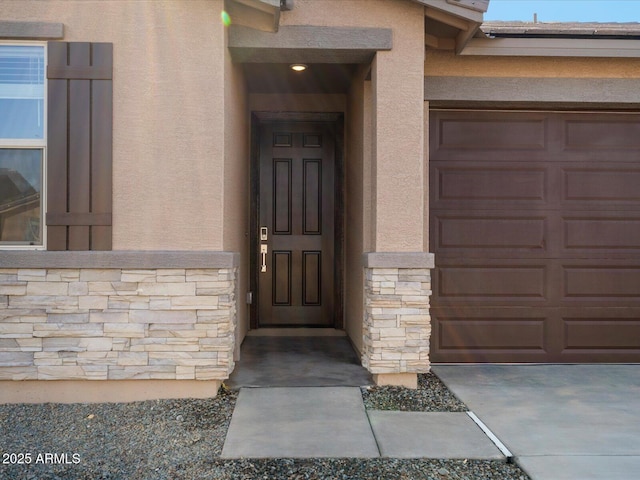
<point>21,91</point>
<point>20,196</point>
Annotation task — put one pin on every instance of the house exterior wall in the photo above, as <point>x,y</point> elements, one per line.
<point>180,186</point>
<point>181,183</point>
<point>168,156</point>
<point>176,185</point>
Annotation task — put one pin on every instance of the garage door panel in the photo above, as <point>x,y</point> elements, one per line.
<point>601,282</point>
<point>608,334</point>
<point>494,183</point>
<point>475,132</point>
<point>602,334</point>
<point>492,283</point>
<point>492,334</point>
<point>610,133</point>
<point>601,187</point>
<point>601,234</point>
<point>489,334</point>
<point>514,133</point>
<point>482,234</point>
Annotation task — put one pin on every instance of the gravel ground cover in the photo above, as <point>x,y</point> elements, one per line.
<point>431,396</point>
<point>137,440</point>
<point>183,439</point>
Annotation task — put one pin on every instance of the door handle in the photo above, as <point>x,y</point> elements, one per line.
<point>263,254</point>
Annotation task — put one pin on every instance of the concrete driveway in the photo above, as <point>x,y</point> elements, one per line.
<point>560,421</point>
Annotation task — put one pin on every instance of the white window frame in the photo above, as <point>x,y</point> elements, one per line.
<point>29,144</point>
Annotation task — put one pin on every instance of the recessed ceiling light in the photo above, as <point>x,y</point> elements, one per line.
<point>298,67</point>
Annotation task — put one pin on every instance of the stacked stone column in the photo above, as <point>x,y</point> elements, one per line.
<point>397,325</point>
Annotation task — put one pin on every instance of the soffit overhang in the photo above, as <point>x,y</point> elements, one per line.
<point>450,24</point>
<point>261,15</point>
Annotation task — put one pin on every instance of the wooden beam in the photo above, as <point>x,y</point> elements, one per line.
<point>464,36</point>
<point>431,40</point>
<point>439,43</point>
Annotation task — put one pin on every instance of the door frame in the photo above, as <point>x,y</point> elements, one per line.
<point>263,118</point>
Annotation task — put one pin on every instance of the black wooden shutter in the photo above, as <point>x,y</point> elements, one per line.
<point>79,145</point>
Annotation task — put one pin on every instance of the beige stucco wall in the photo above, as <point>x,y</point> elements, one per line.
<point>425,226</point>
<point>445,63</point>
<point>111,391</point>
<point>358,201</point>
<point>273,102</point>
<point>168,113</point>
<point>397,91</point>
<point>237,185</point>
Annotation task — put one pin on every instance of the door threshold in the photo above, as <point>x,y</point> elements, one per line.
<point>296,332</point>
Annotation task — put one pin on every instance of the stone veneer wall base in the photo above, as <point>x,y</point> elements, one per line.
<point>397,325</point>
<point>99,317</point>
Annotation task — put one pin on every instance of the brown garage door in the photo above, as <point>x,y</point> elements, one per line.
<point>535,224</point>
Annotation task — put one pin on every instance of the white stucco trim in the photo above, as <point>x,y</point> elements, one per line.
<point>553,47</point>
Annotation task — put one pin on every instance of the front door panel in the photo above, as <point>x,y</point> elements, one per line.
<point>296,215</point>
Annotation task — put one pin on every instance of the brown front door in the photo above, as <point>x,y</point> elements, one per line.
<point>296,234</point>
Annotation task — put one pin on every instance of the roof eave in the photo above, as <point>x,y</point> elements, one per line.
<point>463,15</point>
<point>561,30</point>
<point>470,10</point>
<point>553,47</point>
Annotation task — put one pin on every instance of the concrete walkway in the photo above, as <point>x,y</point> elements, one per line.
<point>332,422</point>
<point>560,421</point>
<point>299,361</point>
